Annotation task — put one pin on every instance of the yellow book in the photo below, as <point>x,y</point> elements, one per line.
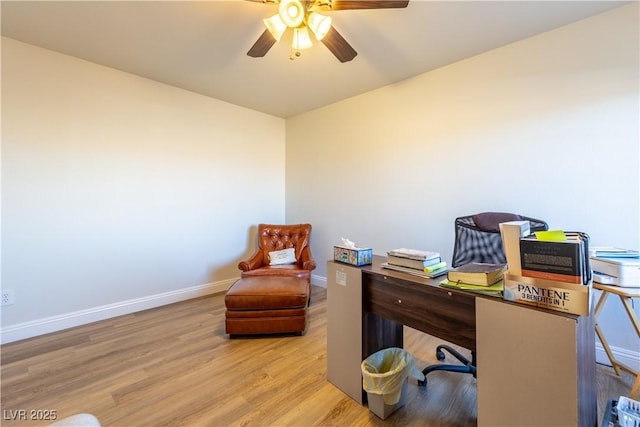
<point>477,273</point>
<point>498,286</point>
<point>434,267</point>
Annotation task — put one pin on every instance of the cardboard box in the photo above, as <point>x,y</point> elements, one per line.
<point>353,256</point>
<point>559,296</point>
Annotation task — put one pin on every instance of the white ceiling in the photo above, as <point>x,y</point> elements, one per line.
<point>201,46</point>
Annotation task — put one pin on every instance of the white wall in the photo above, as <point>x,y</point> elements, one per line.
<point>546,127</point>
<point>118,190</point>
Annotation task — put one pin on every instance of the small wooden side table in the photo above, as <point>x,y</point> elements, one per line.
<point>626,295</point>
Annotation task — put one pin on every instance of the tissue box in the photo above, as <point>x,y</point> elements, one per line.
<point>353,256</point>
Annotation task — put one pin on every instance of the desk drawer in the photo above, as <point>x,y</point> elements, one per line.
<point>446,314</point>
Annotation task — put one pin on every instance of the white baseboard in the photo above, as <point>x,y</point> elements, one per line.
<point>631,358</point>
<point>47,325</point>
<point>319,281</point>
<point>69,320</point>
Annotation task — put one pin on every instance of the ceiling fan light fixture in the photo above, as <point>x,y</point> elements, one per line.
<point>291,12</point>
<point>275,26</point>
<point>319,24</point>
<point>301,39</point>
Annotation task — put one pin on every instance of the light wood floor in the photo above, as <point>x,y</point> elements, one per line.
<point>175,366</point>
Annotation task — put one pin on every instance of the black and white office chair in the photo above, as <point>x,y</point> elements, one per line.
<point>477,239</point>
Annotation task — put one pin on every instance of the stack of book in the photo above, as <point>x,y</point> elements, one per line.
<point>427,264</point>
<point>549,269</point>
<point>563,257</point>
<point>612,252</point>
<point>483,278</point>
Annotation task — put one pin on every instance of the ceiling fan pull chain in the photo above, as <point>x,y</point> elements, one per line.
<point>294,52</point>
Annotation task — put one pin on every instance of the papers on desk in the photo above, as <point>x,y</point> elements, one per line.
<point>414,271</point>
<point>494,290</point>
<point>613,252</point>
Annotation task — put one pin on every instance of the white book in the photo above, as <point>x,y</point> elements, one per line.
<point>613,252</point>
<point>414,254</point>
<point>415,272</point>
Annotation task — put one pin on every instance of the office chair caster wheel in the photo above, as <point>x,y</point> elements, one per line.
<point>440,355</point>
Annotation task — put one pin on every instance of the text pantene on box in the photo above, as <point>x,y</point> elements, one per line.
<point>560,296</point>
<point>548,296</point>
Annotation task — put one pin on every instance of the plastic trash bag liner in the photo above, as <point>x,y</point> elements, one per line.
<point>384,373</point>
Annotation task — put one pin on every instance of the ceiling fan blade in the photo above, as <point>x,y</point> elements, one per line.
<point>367,4</point>
<point>339,46</point>
<point>262,45</point>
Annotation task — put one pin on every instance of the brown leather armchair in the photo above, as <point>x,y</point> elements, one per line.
<point>270,299</point>
<point>275,238</point>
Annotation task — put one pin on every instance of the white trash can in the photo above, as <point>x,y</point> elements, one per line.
<point>385,376</point>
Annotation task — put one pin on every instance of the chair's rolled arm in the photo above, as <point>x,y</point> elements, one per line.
<point>252,263</point>
<point>306,259</point>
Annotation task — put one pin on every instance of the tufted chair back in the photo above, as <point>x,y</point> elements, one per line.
<point>277,237</point>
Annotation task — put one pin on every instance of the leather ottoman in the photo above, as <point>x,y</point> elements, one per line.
<point>267,305</point>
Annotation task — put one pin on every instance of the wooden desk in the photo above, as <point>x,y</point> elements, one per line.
<point>547,379</point>
<point>391,299</point>
<point>626,295</point>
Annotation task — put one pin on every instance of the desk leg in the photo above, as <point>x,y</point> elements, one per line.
<point>603,340</point>
<point>617,365</point>
<point>635,390</point>
<point>379,333</point>
<point>626,301</point>
<point>535,378</point>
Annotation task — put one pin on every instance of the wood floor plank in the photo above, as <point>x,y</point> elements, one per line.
<point>174,366</point>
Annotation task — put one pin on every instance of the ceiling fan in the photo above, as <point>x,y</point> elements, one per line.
<point>303,15</point>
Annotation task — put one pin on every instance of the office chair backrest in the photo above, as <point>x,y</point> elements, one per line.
<point>478,237</point>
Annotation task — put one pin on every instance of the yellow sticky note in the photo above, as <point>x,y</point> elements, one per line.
<point>551,236</point>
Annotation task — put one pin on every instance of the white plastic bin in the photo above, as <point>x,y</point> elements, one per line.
<point>385,376</point>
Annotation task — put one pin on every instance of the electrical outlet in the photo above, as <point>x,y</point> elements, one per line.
<point>6,297</point>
